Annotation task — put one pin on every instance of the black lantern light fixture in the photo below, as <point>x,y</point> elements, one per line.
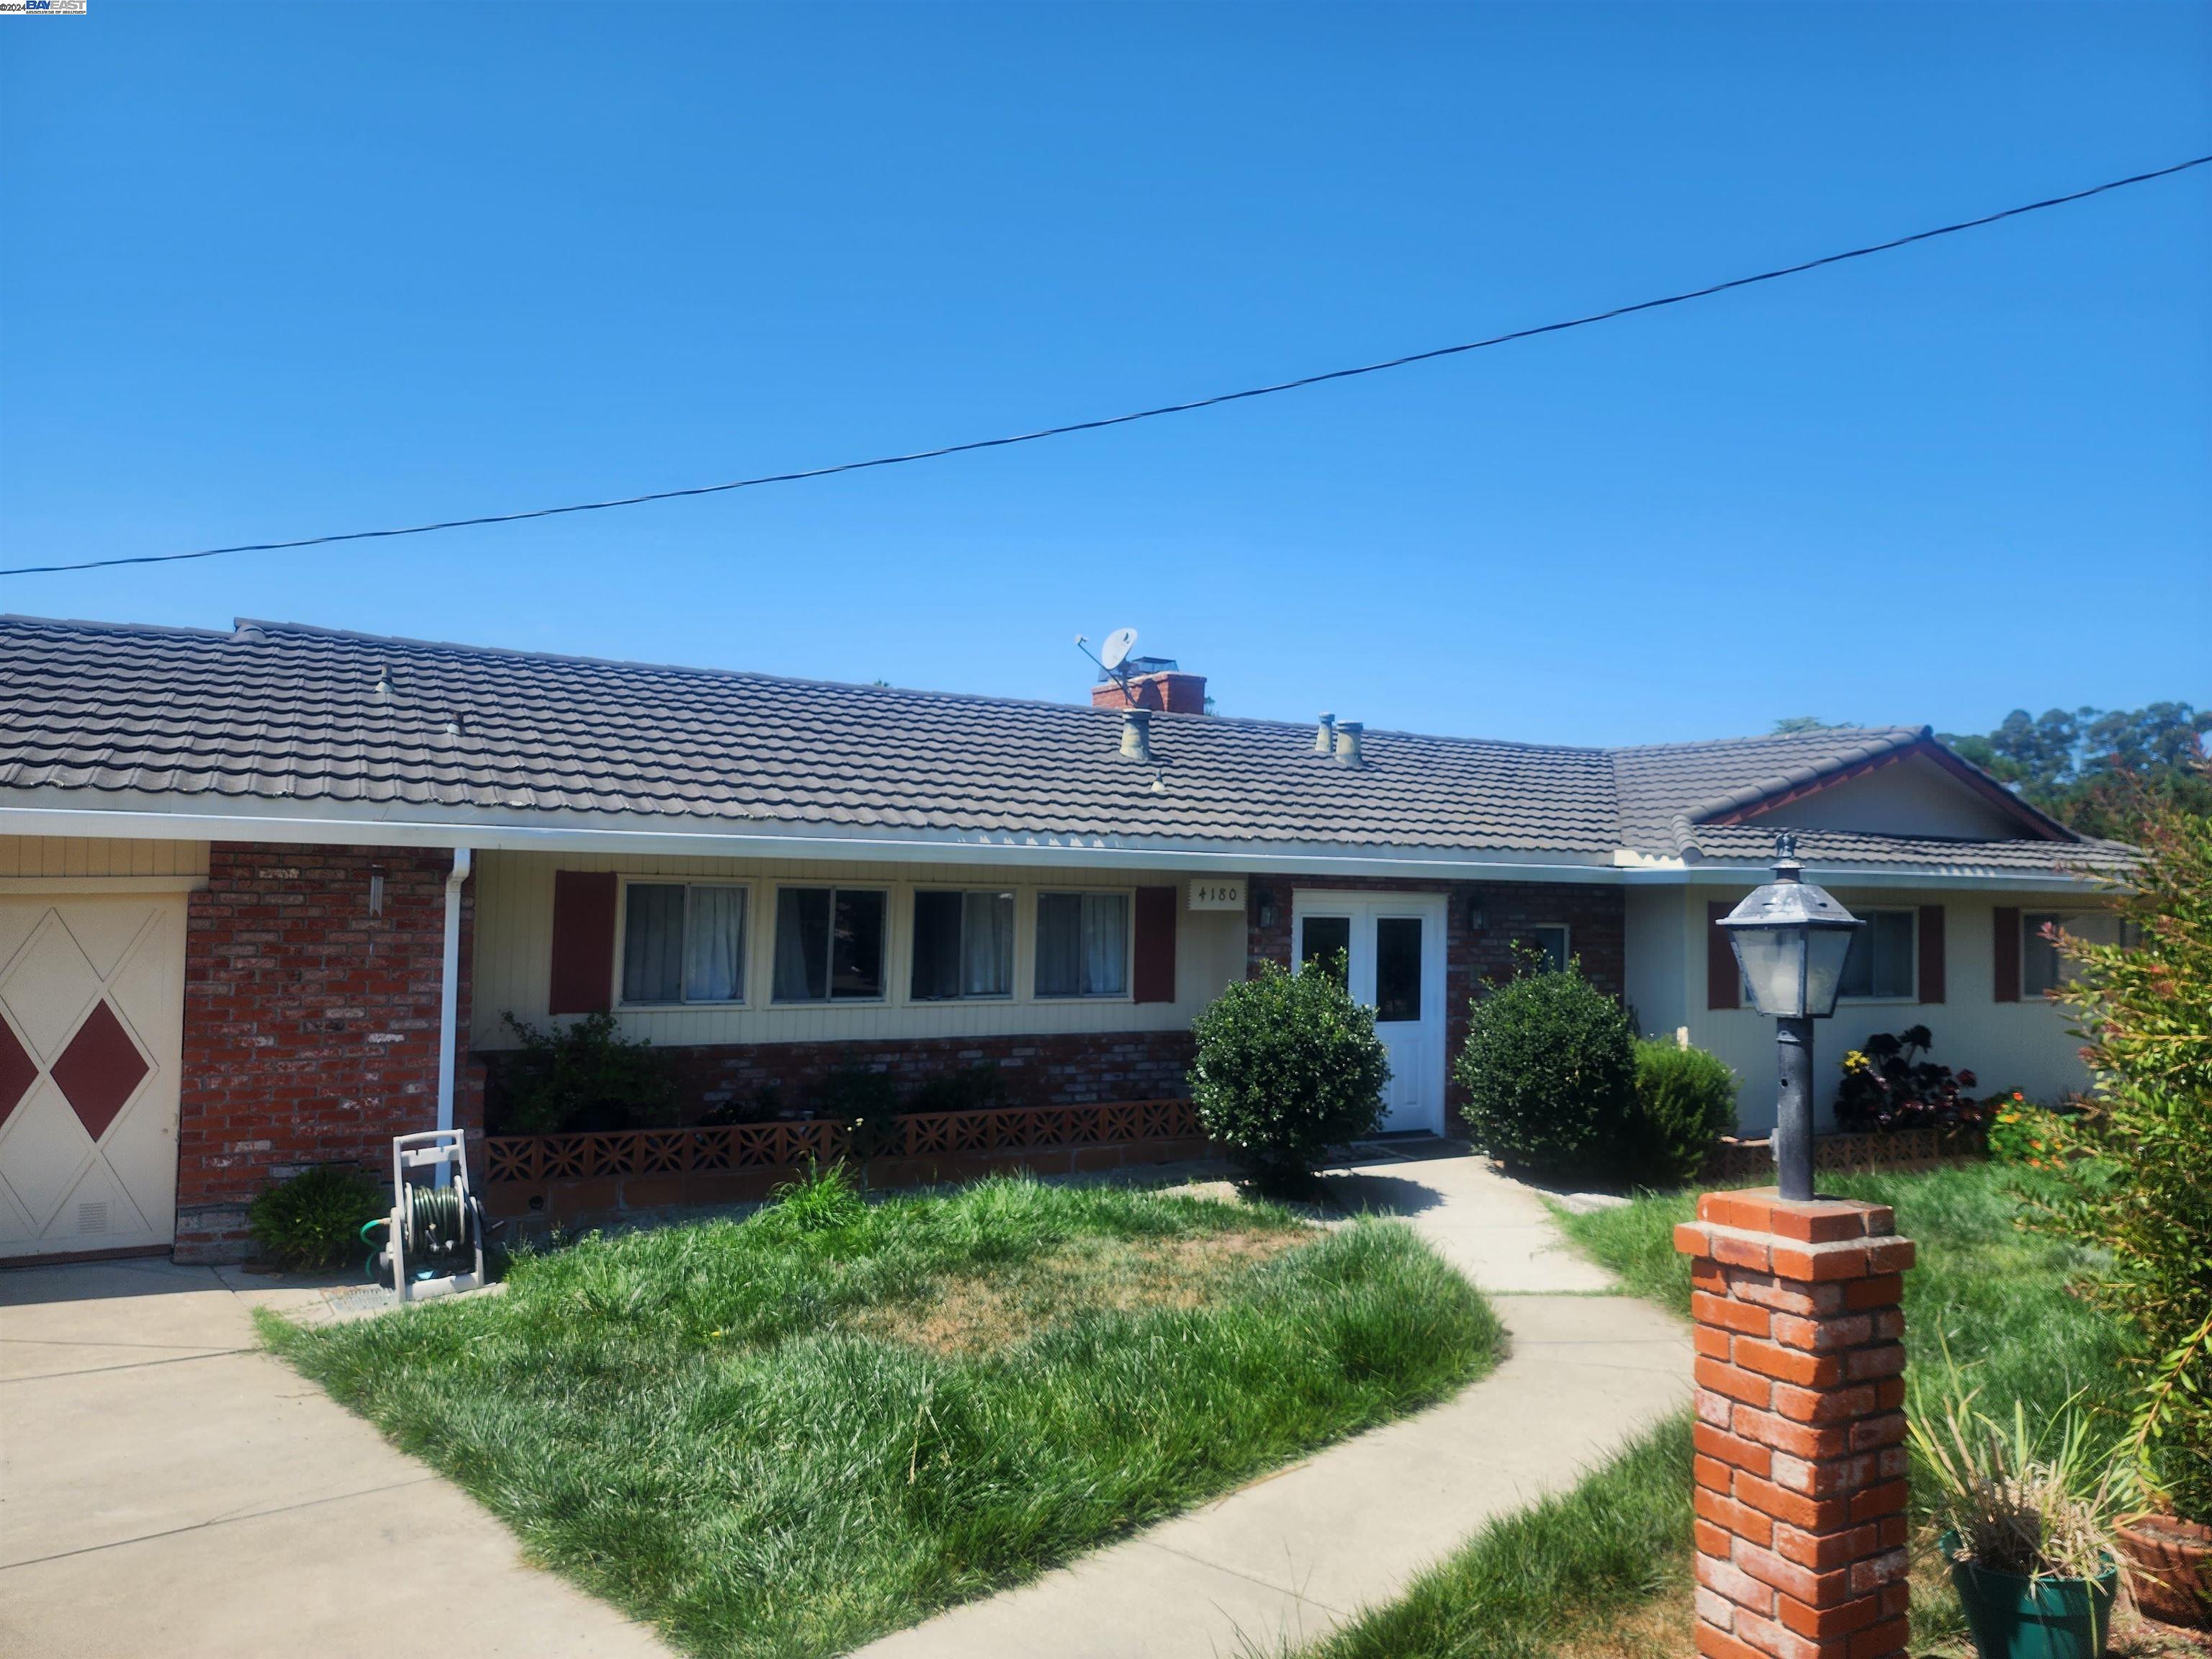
<point>1791,940</point>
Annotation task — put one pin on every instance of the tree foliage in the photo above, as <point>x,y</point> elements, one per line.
<point>2137,1179</point>
<point>2101,772</point>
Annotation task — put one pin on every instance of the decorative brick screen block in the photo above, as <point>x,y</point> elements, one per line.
<point>1800,1458</point>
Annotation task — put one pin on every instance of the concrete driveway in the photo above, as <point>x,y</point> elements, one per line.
<point>166,1488</point>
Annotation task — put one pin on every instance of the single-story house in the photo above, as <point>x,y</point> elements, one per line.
<point>267,895</point>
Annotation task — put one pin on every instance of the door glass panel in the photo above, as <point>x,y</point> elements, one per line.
<point>1325,940</point>
<point>1397,968</point>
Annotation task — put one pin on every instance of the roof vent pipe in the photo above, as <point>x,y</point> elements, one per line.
<point>1137,733</point>
<point>1325,735</point>
<point>1347,742</point>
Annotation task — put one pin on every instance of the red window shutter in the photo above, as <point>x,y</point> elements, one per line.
<point>583,941</point>
<point>1152,978</point>
<point>2007,920</point>
<point>1723,981</point>
<point>1931,953</point>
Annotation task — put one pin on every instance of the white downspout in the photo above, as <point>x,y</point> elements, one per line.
<point>449,994</point>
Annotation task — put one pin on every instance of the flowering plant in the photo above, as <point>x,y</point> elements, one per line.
<point>1891,1085</point>
<point>2024,1133</point>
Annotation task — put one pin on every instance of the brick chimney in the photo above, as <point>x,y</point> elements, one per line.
<point>1155,683</point>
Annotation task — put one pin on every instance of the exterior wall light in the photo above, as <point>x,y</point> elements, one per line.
<point>1790,940</point>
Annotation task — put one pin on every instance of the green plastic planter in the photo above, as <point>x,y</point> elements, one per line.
<point>2016,1618</point>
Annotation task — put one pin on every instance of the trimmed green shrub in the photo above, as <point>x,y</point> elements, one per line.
<point>583,1076</point>
<point>1685,1102</point>
<point>1549,1071</point>
<point>1288,1066</point>
<point>313,1220</point>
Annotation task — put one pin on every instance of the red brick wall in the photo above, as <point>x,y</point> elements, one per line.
<point>311,1027</point>
<point>1169,692</point>
<point>1064,1069</point>
<point>1595,917</point>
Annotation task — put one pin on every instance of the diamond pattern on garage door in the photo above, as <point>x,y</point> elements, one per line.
<point>91,1024</point>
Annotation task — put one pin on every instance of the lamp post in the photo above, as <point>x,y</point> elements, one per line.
<point>1791,940</point>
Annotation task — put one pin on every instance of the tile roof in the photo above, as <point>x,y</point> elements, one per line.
<point>283,713</point>
<point>1755,843</point>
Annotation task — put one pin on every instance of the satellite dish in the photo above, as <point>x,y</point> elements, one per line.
<point>1119,644</point>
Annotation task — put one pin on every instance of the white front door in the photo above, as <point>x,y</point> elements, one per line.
<point>1394,946</point>
<point>92,994</point>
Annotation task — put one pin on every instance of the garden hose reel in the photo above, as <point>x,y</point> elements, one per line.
<point>433,1239</point>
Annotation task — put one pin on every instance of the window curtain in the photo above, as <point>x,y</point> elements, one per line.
<point>1105,944</point>
<point>653,944</point>
<point>802,945</point>
<point>986,944</point>
<point>1059,945</point>
<point>936,946</point>
<point>714,945</point>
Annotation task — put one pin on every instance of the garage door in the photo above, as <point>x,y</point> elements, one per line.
<point>91,1024</point>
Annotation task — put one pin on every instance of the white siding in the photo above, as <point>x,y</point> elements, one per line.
<point>1653,947</point>
<point>1911,797</point>
<point>49,856</point>
<point>2007,1045</point>
<point>514,956</point>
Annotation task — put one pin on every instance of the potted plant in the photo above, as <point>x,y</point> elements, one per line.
<point>2029,1526</point>
<point>2132,1171</point>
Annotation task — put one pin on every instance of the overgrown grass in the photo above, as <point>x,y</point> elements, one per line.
<point>1606,1568</point>
<point>1996,1296</point>
<point>1987,1296</point>
<point>788,1435</point>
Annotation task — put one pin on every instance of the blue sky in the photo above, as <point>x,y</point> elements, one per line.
<point>269,271</point>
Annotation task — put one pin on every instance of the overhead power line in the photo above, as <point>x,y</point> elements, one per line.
<point>1154,413</point>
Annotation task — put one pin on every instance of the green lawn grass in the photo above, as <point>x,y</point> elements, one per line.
<point>1566,1578</point>
<point>787,1435</point>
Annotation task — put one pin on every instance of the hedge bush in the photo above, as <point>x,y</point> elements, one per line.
<point>313,1220</point>
<point>1288,1066</point>
<point>1685,1102</point>
<point>1549,1071</point>
<point>582,1076</point>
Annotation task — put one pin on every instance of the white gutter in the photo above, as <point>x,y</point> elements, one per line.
<point>1091,852</point>
<point>449,992</point>
<point>780,842</point>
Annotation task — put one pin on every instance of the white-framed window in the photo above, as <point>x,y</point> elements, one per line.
<point>1083,944</point>
<point>1550,940</point>
<point>829,943</point>
<point>1883,965</point>
<point>2042,968</point>
<point>683,942</point>
<point>963,944</point>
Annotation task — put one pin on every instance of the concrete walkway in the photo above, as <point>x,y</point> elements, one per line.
<point>165,1488</point>
<point>1294,1554</point>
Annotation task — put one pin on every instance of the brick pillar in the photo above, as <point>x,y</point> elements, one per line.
<point>1801,1460</point>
